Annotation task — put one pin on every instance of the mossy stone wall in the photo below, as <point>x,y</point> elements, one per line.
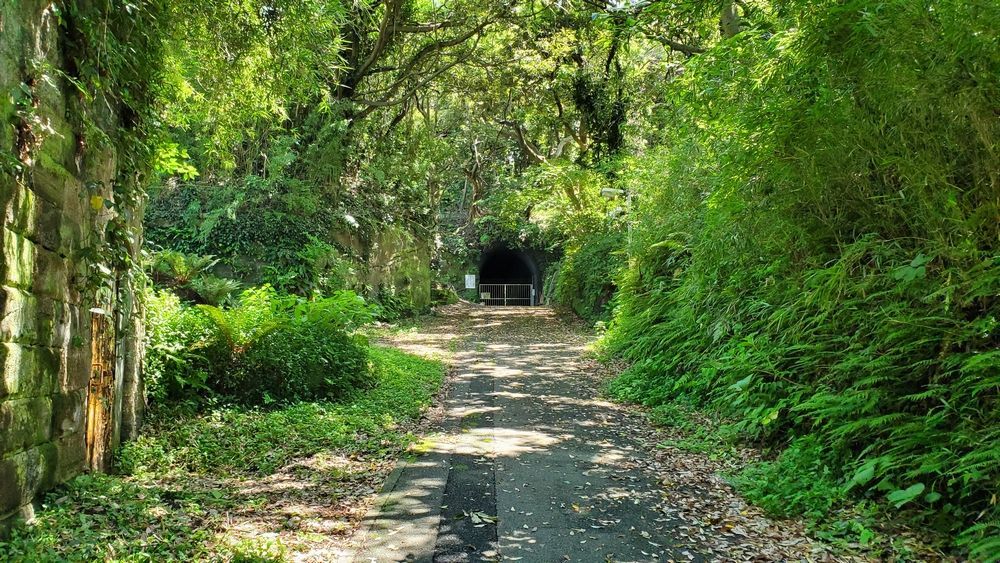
<point>402,262</point>
<point>393,260</point>
<point>49,176</point>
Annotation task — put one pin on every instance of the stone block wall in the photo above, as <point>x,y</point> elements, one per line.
<point>394,259</point>
<point>49,176</point>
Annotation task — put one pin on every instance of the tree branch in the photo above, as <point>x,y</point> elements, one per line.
<point>561,147</point>
<point>527,147</point>
<point>385,33</point>
<point>689,50</point>
<point>387,101</point>
<point>424,27</point>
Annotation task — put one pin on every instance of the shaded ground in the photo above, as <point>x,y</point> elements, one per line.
<point>309,507</point>
<point>530,463</point>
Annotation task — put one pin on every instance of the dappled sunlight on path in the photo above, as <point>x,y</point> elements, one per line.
<point>529,462</point>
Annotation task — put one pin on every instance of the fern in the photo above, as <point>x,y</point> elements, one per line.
<point>840,280</point>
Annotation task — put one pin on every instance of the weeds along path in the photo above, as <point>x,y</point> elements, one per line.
<point>528,462</point>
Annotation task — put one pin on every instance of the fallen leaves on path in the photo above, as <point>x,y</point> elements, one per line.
<point>702,509</point>
<point>310,506</point>
<point>480,518</point>
<point>702,516</point>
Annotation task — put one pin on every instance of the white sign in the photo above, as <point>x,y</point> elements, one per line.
<point>470,281</point>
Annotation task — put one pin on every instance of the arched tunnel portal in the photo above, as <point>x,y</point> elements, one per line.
<point>508,277</point>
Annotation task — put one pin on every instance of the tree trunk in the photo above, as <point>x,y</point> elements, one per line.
<point>729,22</point>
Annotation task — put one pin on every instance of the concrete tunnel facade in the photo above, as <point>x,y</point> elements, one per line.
<point>509,277</point>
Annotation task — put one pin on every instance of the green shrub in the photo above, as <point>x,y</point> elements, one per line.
<point>391,306</point>
<point>236,440</point>
<point>189,275</point>
<point>798,482</point>
<point>177,269</point>
<point>327,269</point>
<point>443,296</point>
<point>213,290</point>
<point>299,363</point>
<point>267,348</point>
<point>286,348</point>
<point>584,279</point>
<point>178,338</point>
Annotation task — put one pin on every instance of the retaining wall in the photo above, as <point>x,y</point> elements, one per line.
<point>52,181</point>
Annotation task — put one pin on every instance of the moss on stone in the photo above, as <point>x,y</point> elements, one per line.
<point>24,423</point>
<point>19,259</point>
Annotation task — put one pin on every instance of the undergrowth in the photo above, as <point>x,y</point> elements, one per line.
<point>814,258</point>
<point>265,348</point>
<point>367,423</point>
<point>583,280</point>
<point>171,501</point>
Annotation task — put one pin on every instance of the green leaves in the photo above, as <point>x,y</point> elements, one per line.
<point>265,346</point>
<point>900,497</point>
<point>916,269</point>
<point>742,384</point>
<point>864,474</point>
<point>170,159</point>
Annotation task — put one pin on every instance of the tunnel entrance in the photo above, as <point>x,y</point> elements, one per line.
<point>507,278</point>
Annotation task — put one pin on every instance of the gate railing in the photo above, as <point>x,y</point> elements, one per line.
<point>505,294</point>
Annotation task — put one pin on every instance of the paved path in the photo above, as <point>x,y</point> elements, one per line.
<point>529,464</point>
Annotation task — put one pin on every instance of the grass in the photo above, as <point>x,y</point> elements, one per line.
<point>232,441</point>
<point>186,477</point>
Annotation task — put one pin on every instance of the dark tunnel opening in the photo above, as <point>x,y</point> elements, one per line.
<point>507,277</point>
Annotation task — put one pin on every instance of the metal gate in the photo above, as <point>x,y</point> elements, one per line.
<point>506,294</point>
